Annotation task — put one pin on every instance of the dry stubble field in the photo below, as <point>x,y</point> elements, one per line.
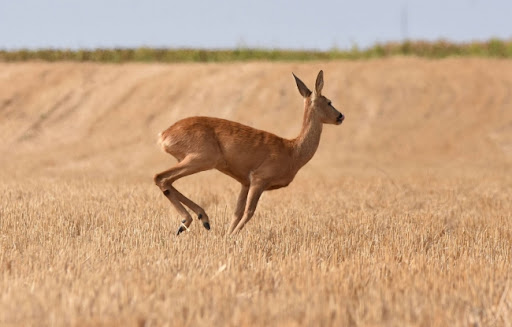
<point>403,217</point>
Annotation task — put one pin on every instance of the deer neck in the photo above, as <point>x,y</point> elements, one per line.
<point>306,144</point>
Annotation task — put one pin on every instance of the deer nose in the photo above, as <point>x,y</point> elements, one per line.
<point>340,118</point>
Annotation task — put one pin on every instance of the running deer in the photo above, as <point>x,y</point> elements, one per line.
<point>258,160</point>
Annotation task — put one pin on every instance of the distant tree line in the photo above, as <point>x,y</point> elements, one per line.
<point>439,49</point>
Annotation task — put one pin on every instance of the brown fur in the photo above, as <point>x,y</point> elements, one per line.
<point>257,159</point>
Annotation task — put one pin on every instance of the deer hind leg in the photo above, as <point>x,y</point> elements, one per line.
<point>185,223</point>
<point>201,214</point>
<point>255,191</point>
<point>240,207</point>
<point>164,180</point>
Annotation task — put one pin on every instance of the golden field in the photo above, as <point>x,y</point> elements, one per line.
<point>402,218</point>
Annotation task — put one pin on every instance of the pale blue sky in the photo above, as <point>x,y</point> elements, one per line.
<point>297,24</point>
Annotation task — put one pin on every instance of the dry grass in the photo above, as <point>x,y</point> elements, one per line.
<point>403,218</point>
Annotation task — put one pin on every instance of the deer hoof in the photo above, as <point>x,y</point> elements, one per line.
<point>206,225</point>
<point>182,227</point>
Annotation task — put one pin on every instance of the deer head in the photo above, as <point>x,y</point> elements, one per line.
<point>317,104</point>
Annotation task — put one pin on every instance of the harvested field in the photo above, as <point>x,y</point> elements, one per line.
<point>402,218</point>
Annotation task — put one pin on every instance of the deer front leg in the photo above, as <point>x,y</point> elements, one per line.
<point>253,196</point>
<point>240,207</point>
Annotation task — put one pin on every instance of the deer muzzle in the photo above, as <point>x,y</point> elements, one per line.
<point>340,119</point>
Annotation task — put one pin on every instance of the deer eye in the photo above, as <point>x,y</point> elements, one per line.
<point>329,103</point>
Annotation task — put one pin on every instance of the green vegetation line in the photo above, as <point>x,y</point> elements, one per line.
<point>440,49</point>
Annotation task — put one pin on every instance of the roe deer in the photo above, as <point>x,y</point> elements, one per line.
<point>258,160</point>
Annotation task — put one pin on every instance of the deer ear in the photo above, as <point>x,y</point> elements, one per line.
<point>319,83</point>
<point>303,89</point>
